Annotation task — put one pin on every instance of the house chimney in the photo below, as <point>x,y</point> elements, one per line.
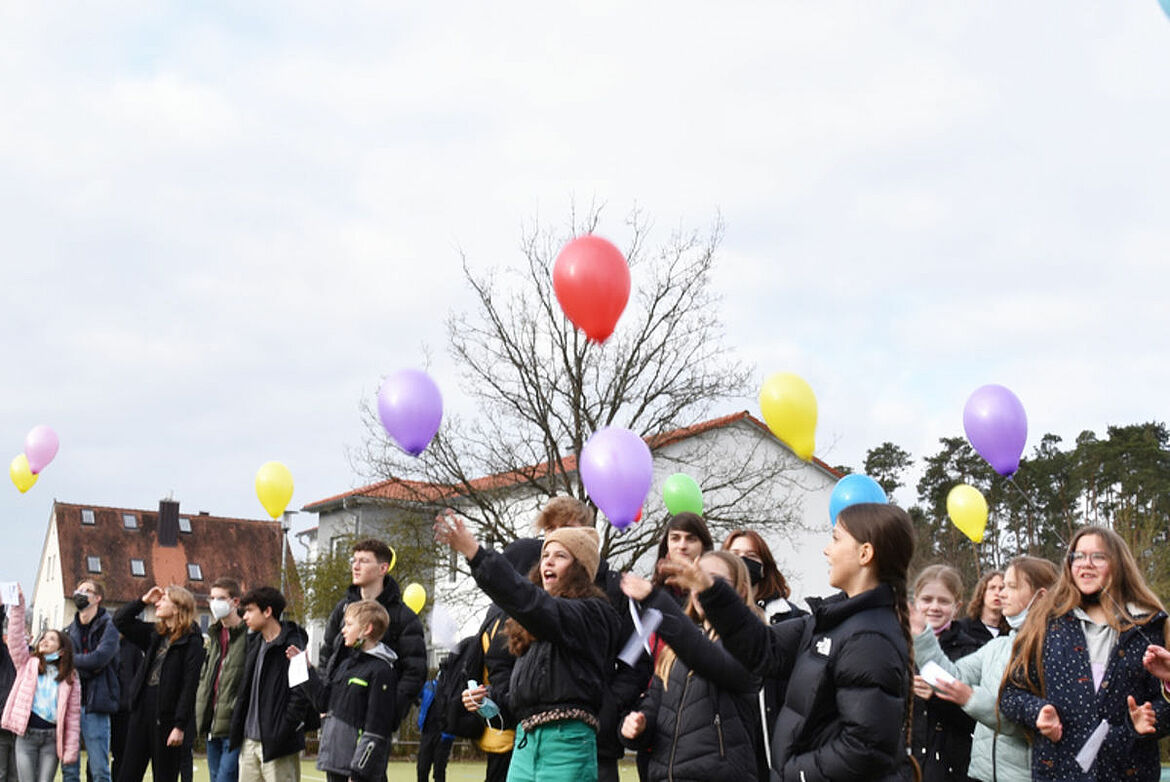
<point>168,523</point>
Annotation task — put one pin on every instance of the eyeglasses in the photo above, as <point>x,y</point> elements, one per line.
<point>1098,558</point>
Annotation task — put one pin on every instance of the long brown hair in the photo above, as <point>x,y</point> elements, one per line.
<point>175,627</point>
<point>891,533</point>
<point>773,584</point>
<point>1125,585</point>
<point>975,607</point>
<point>64,661</point>
<point>742,584</point>
<point>575,585</point>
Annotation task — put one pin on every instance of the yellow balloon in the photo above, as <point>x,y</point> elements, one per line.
<point>415,597</point>
<point>274,487</point>
<point>790,410</point>
<point>22,477</point>
<point>968,510</point>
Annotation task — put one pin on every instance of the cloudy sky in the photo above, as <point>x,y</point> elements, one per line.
<point>221,224</point>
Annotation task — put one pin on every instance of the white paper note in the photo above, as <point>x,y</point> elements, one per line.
<point>644,625</point>
<point>10,593</point>
<point>1089,752</point>
<point>934,674</point>
<point>298,669</point>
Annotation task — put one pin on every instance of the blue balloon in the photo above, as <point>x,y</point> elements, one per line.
<point>1165,6</point>
<point>853,490</point>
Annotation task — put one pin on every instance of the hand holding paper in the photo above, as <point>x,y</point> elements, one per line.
<point>298,669</point>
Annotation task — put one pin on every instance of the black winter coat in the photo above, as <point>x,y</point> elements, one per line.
<point>567,666</point>
<point>847,663</point>
<point>358,693</point>
<point>284,710</point>
<point>404,636</point>
<point>499,663</point>
<point>775,687</point>
<point>179,676</point>
<point>705,725</point>
<point>7,669</point>
<point>95,655</point>
<point>978,631</point>
<point>626,683</point>
<point>941,739</point>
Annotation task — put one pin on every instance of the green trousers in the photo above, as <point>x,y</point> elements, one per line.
<point>557,752</point>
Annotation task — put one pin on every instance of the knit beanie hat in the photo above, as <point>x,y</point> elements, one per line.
<point>582,543</point>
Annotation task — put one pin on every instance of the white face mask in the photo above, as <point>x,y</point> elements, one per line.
<point>220,608</point>
<point>1014,622</point>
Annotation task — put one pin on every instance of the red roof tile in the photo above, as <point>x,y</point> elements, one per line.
<point>402,490</point>
<point>245,549</point>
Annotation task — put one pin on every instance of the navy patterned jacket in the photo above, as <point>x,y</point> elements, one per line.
<point>1068,683</point>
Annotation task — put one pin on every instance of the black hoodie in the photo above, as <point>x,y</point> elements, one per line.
<point>404,636</point>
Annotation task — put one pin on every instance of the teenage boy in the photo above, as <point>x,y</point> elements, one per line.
<point>219,681</point>
<point>404,634</point>
<point>268,723</point>
<point>355,736</point>
<point>95,656</point>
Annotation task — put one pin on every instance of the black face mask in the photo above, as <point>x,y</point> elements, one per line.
<point>1091,600</point>
<point>81,600</point>
<point>755,570</point>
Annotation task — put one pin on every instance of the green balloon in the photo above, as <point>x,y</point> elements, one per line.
<point>680,493</point>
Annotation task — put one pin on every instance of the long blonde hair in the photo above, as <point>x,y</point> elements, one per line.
<point>175,627</point>
<point>1125,585</point>
<point>740,582</point>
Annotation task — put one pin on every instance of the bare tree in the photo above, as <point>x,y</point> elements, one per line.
<point>541,389</point>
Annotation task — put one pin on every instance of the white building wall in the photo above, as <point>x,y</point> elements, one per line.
<point>48,594</point>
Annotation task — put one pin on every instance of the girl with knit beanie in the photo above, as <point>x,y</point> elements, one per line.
<point>564,634</point>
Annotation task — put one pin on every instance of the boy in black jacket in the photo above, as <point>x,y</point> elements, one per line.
<point>359,692</point>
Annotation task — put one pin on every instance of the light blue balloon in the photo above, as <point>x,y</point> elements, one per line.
<point>1165,6</point>
<point>855,489</point>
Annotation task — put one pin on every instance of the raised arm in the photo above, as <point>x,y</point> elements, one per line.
<point>699,653</point>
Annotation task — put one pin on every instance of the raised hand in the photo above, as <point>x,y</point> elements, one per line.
<point>451,531</point>
<point>1048,723</point>
<point>917,619</point>
<point>685,575</point>
<point>636,586</point>
<point>1157,661</point>
<point>1143,718</point>
<point>633,725</point>
<point>154,595</point>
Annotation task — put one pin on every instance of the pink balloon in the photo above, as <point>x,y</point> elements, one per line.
<point>40,446</point>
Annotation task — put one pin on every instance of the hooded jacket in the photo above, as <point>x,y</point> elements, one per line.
<point>847,666</point>
<point>180,669</point>
<point>704,723</point>
<point>404,636</point>
<point>1068,680</point>
<point>358,693</point>
<point>213,707</point>
<point>95,654</point>
<point>284,710</point>
<point>575,640</point>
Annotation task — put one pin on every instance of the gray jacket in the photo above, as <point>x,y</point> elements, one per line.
<point>982,670</point>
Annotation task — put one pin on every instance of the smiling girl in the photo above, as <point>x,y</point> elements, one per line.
<point>1077,664</point>
<point>564,634</point>
<point>942,732</point>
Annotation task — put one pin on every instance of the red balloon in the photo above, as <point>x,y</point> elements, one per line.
<point>592,282</point>
<point>638,517</point>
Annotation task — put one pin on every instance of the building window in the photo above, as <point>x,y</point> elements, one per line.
<point>194,572</point>
<point>129,521</point>
<point>93,564</point>
<point>137,567</point>
<point>184,524</point>
<point>87,516</point>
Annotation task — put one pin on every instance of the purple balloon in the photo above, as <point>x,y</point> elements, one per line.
<point>997,427</point>
<point>40,446</point>
<point>411,409</point>
<point>617,470</point>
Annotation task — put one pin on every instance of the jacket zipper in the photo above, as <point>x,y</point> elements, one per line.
<point>677,726</point>
<point>719,731</point>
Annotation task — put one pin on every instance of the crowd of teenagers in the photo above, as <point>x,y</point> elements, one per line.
<point>707,669</point>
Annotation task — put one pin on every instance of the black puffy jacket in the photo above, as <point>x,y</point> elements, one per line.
<point>576,640</point>
<point>941,741</point>
<point>704,723</point>
<point>845,709</point>
<point>404,636</point>
<point>179,676</point>
<point>626,683</point>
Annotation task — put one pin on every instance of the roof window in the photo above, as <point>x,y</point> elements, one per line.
<point>129,521</point>
<point>194,572</point>
<point>87,516</point>
<point>137,567</point>
<point>93,564</point>
<point>184,524</point>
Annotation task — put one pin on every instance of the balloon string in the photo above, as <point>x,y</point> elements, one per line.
<point>1012,481</point>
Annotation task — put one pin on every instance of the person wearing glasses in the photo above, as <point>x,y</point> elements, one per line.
<point>370,568</point>
<point>1076,677</point>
